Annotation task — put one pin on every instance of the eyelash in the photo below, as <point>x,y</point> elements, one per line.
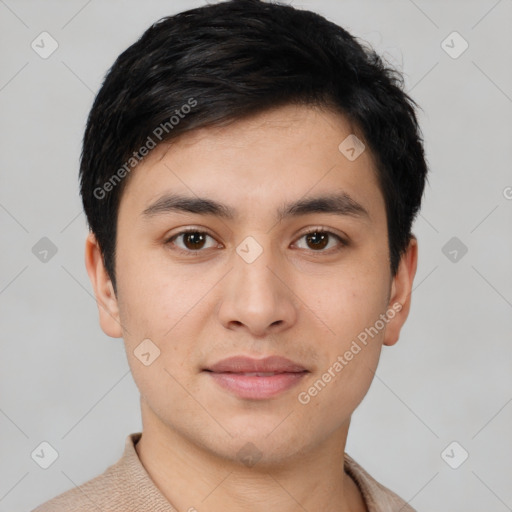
<point>319,230</point>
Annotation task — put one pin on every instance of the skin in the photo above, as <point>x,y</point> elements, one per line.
<point>298,299</point>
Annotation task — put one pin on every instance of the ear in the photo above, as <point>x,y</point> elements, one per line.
<point>401,289</point>
<point>103,289</point>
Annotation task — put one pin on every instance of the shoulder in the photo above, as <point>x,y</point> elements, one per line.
<point>377,497</point>
<point>93,494</point>
<point>124,487</point>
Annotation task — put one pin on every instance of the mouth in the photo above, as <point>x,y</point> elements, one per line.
<point>256,379</point>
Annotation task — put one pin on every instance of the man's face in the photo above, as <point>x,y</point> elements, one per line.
<point>254,284</point>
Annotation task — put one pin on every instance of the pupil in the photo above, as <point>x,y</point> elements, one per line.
<point>194,239</point>
<point>318,239</point>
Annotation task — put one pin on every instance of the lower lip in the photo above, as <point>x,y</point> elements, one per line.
<point>257,388</point>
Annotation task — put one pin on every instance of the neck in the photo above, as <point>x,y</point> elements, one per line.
<point>193,478</point>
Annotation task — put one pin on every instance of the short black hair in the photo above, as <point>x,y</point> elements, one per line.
<point>223,62</point>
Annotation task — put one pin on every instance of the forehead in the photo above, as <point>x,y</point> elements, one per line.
<point>258,163</point>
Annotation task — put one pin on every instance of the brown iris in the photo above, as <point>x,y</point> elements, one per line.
<point>194,240</point>
<point>319,240</point>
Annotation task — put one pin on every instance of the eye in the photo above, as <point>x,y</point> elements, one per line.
<point>319,239</point>
<point>192,240</point>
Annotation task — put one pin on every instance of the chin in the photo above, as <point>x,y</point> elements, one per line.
<point>257,443</point>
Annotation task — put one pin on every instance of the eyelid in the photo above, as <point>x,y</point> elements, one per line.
<point>343,239</point>
<point>190,229</point>
<point>315,229</point>
<point>324,229</point>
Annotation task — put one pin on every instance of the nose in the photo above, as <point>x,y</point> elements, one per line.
<point>258,296</point>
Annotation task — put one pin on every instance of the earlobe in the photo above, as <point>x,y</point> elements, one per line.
<point>103,290</point>
<point>401,289</point>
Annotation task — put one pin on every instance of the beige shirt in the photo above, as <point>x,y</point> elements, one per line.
<point>126,487</point>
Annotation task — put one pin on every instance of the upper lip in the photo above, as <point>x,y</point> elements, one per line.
<point>244,364</point>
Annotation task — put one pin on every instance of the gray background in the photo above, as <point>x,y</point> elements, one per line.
<point>448,379</point>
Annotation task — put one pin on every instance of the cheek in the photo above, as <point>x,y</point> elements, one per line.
<point>167,306</point>
<point>350,304</point>
<point>153,297</point>
<point>350,343</point>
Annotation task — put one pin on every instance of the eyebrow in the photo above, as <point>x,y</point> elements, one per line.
<point>339,204</point>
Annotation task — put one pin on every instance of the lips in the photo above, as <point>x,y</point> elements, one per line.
<point>256,379</point>
<point>243,364</point>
